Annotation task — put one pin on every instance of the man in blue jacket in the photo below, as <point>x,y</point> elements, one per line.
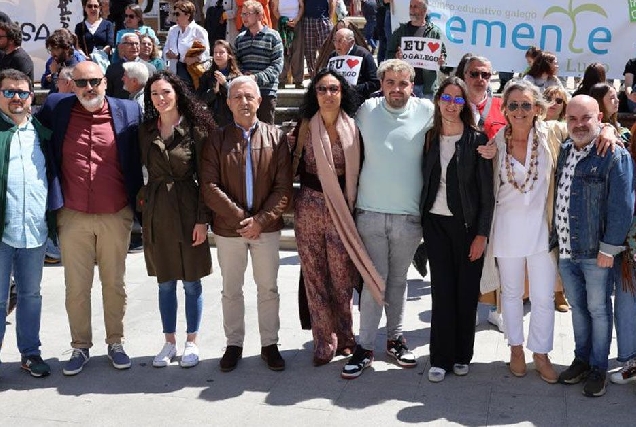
<point>26,198</point>
<point>96,151</point>
<point>592,215</point>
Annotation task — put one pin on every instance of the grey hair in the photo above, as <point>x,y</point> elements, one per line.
<point>396,65</point>
<point>136,70</point>
<point>243,79</point>
<point>349,36</point>
<point>128,36</point>
<point>528,87</point>
<point>66,73</point>
<point>480,59</point>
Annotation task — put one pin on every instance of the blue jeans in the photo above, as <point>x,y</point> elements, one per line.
<point>369,11</point>
<point>624,315</point>
<point>586,286</point>
<point>27,267</point>
<point>391,241</point>
<point>168,305</point>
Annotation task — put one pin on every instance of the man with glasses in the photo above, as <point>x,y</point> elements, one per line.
<point>128,50</point>
<point>486,108</point>
<point>247,181</point>
<point>14,57</point>
<point>388,206</point>
<point>96,152</point>
<point>28,197</point>
<point>259,51</point>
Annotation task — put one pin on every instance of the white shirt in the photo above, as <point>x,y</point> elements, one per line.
<point>520,226</point>
<point>288,8</point>
<point>179,42</point>
<point>446,153</point>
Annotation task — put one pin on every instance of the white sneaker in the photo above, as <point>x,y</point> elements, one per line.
<point>496,319</point>
<point>436,375</point>
<point>460,369</point>
<point>165,356</point>
<point>190,356</point>
<point>627,373</point>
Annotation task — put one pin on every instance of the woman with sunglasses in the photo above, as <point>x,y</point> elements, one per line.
<point>175,218</point>
<point>94,32</point>
<point>557,99</point>
<point>180,39</point>
<point>456,208</point>
<point>133,23</point>
<point>524,183</point>
<point>327,160</point>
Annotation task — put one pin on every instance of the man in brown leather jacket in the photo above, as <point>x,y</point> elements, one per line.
<point>247,182</point>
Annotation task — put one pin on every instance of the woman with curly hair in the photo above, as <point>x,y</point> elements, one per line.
<point>175,218</point>
<point>214,83</point>
<point>327,159</point>
<point>543,71</point>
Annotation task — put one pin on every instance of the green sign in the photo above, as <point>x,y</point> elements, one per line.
<point>632,10</point>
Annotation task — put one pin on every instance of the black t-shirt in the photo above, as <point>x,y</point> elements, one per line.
<point>630,67</point>
<point>18,60</point>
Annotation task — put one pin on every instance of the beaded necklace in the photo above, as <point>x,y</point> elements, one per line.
<point>532,175</point>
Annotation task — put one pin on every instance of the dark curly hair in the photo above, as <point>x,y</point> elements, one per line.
<point>348,100</point>
<point>187,104</point>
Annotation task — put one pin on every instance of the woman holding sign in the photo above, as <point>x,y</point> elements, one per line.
<point>456,208</point>
<point>327,160</point>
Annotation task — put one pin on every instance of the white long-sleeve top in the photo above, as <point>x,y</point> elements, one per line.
<point>180,41</point>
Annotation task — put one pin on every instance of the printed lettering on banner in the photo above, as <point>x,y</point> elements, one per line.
<point>348,66</point>
<point>422,52</point>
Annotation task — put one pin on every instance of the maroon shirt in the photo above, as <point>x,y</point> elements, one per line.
<point>92,179</point>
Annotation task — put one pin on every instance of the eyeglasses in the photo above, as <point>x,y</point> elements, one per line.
<point>130,43</point>
<point>93,82</point>
<point>248,13</point>
<point>92,6</point>
<point>483,74</point>
<point>457,100</point>
<point>131,16</point>
<point>10,93</point>
<point>525,106</point>
<point>322,90</point>
<point>556,100</point>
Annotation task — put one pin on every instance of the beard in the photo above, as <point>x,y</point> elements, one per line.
<point>91,104</point>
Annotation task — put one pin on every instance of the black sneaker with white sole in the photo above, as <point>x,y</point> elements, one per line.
<point>595,383</point>
<point>360,360</point>
<point>397,348</point>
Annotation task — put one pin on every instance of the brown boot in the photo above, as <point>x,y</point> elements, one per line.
<point>544,367</point>
<point>560,303</point>
<point>517,361</point>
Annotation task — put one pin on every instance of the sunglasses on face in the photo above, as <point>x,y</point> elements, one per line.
<point>525,106</point>
<point>179,13</point>
<point>92,6</point>
<point>556,100</point>
<point>131,16</point>
<point>93,82</point>
<point>457,100</point>
<point>483,74</point>
<point>321,90</point>
<point>10,93</point>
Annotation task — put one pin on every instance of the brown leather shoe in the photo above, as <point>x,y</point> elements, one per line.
<point>233,353</point>
<point>272,357</point>
<point>544,367</point>
<point>517,361</point>
<point>560,303</point>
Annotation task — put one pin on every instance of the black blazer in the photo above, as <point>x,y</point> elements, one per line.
<point>475,177</point>
<point>104,36</point>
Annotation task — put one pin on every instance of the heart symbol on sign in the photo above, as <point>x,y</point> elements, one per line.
<point>433,46</point>
<point>352,62</point>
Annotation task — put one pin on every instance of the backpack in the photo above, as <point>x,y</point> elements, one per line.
<point>215,25</point>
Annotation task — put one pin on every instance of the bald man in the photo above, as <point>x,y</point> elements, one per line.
<point>96,152</point>
<point>593,211</point>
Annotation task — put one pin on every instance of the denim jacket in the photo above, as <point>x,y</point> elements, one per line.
<point>601,202</point>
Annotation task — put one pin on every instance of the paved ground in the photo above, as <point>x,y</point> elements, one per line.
<point>252,395</point>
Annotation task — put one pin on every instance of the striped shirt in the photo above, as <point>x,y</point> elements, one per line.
<point>262,56</point>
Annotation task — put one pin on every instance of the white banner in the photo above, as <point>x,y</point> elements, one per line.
<point>422,52</point>
<point>348,66</point>
<point>578,32</point>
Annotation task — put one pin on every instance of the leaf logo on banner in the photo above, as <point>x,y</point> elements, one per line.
<point>433,46</point>
<point>571,13</point>
<point>352,62</point>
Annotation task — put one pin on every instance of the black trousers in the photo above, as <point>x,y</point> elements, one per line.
<point>454,289</point>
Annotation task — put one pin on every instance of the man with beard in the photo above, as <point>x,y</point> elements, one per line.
<point>486,108</point>
<point>23,209</point>
<point>61,46</point>
<point>96,152</point>
<point>11,45</point>
<point>388,205</point>
<point>593,208</point>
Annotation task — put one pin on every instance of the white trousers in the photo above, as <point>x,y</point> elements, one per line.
<point>542,277</point>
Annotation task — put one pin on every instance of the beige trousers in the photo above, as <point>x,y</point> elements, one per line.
<point>87,239</point>
<point>232,255</point>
